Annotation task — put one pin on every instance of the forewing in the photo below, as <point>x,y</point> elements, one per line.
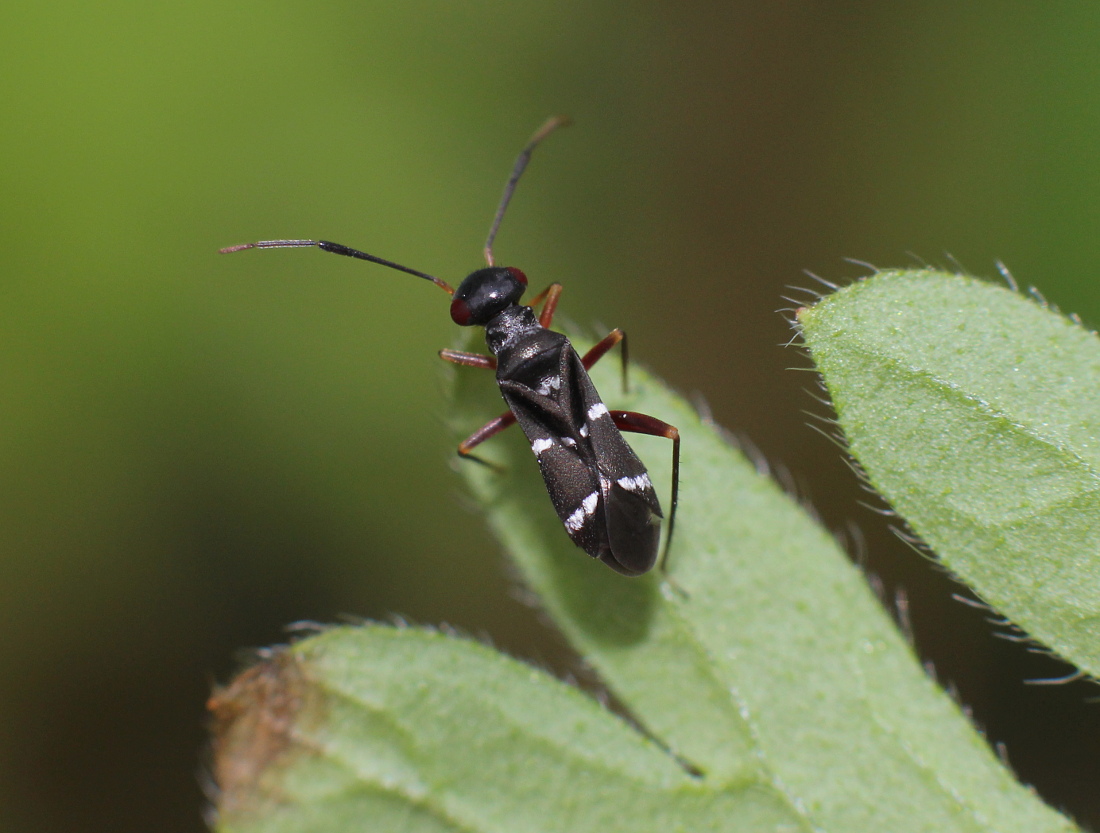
<point>633,530</point>
<point>599,487</point>
<point>567,465</point>
<point>631,511</point>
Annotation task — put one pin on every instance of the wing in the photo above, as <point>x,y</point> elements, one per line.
<point>567,464</point>
<point>599,487</point>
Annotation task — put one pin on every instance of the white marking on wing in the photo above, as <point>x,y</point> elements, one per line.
<point>582,513</point>
<point>541,445</point>
<point>596,411</point>
<point>583,430</point>
<point>568,442</point>
<point>636,484</point>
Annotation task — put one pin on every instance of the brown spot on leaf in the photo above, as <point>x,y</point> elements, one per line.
<point>255,732</point>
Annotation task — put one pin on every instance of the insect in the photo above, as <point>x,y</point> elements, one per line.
<point>599,488</point>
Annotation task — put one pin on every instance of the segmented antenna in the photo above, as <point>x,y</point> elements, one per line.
<point>552,124</point>
<point>338,249</point>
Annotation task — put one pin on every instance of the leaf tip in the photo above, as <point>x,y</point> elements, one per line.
<point>253,725</point>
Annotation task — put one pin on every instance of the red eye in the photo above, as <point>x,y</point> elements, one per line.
<point>460,312</point>
<point>518,275</point>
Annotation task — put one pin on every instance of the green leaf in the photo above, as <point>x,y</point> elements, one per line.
<point>778,693</point>
<point>976,413</point>
<point>410,730</point>
<point>775,659</point>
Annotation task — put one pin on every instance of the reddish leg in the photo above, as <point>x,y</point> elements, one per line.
<point>550,295</point>
<point>643,424</point>
<point>468,359</point>
<point>600,349</point>
<point>489,429</point>
<point>493,426</point>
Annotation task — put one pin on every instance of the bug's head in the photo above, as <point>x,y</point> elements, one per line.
<point>486,293</point>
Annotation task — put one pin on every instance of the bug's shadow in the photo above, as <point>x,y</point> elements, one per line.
<point>611,608</point>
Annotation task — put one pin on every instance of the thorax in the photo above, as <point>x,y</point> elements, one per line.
<point>526,351</point>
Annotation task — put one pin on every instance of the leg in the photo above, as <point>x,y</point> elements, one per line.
<point>550,295</point>
<point>600,349</point>
<point>489,429</point>
<point>493,426</point>
<point>468,359</point>
<point>643,424</point>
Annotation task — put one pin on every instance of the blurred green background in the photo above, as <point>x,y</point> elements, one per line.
<point>197,450</point>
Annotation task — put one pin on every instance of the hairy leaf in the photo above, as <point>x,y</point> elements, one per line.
<point>379,728</point>
<point>975,412</point>
<point>766,652</point>
<point>767,689</point>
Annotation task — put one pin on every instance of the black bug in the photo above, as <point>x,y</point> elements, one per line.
<point>598,486</point>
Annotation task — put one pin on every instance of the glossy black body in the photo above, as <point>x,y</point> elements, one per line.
<point>599,487</point>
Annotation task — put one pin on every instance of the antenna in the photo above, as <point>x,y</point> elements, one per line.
<point>552,124</point>
<point>337,249</point>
